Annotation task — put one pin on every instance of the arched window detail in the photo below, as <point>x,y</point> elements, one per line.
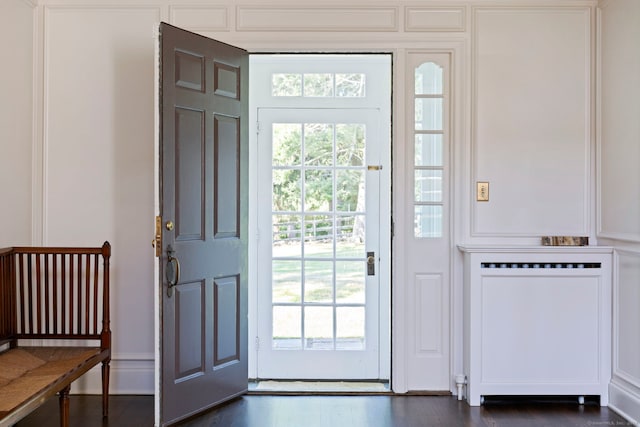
<point>429,148</point>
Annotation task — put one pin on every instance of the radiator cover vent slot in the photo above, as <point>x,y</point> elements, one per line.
<point>541,265</point>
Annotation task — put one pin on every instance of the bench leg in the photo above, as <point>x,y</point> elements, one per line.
<point>105,388</point>
<point>64,406</point>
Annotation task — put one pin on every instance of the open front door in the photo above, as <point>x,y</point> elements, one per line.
<point>203,219</point>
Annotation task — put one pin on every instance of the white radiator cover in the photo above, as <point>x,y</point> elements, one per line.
<point>537,321</point>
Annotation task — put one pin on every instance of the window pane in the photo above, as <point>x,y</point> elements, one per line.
<point>320,85</point>
<point>287,281</point>
<point>286,190</point>
<point>429,79</point>
<point>350,143</point>
<point>429,114</point>
<point>287,144</point>
<point>350,236</point>
<point>318,328</point>
<point>350,282</point>
<point>287,323</point>
<point>350,328</point>
<point>428,150</point>
<point>318,236</point>
<point>318,281</point>
<point>287,234</point>
<point>318,144</point>
<point>318,190</point>
<point>286,85</point>
<point>428,221</point>
<point>350,191</point>
<point>350,85</point>
<point>428,185</point>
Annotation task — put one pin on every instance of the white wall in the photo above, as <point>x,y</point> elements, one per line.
<point>16,101</point>
<point>532,122</point>
<point>619,192</point>
<point>95,134</point>
<point>98,160</point>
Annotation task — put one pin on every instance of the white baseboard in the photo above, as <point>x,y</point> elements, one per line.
<point>625,400</point>
<point>130,374</point>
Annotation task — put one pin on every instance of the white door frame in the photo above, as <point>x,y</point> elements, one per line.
<point>402,348</point>
<point>385,247</point>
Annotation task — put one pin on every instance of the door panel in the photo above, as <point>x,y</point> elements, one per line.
<point>227,333</point>
<point>189,330</point>
<point>190,145</point>
<point>203,191</point>
<point>227,157</point>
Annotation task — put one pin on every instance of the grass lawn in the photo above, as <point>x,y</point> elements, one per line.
<point>318,287</point>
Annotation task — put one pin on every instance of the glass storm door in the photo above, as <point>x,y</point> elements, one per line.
<point>318,195</point>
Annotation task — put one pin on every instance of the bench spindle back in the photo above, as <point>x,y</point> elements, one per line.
<point>55,293</point>
<point>7,297</point>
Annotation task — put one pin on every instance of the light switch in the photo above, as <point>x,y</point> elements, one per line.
<point>482,194</point>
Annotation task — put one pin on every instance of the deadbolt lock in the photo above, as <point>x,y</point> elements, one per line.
<point>157,241</point>
<point>169,225</point>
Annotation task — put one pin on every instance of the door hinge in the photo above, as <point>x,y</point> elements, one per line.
<point>257,343</point>
<point>393,228</point>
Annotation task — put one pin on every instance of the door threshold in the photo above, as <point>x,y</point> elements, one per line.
<point>318,387</point>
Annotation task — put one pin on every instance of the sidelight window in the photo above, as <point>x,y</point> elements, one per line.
<point>429,145</point>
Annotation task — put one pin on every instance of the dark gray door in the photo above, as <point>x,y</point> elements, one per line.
<point>203,188</point>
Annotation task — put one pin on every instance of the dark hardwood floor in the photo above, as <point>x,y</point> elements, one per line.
<point>339,411</point>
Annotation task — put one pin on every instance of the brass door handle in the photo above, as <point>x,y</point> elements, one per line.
<point>371,263</point>
<point>172,271</point>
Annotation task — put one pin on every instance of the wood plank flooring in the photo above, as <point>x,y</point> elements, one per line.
<point>339,411</point>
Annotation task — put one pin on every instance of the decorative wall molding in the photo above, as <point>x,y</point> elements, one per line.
<point>200,18</point>
<point>625,313</point>
<point>42,98</point>
<point>31,3</point>
<point>542,192</point>
<point>617,139</point>
<point>116,41</point>
<point>622,237</point>
<point>323,19</point>
<point>624,389</point>
<point>604,3</point>
<point>625,400</point>
<point>435,18</point>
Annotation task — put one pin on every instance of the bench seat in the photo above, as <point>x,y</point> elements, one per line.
<point>35,373</point>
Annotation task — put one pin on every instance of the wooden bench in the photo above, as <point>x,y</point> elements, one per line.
<point>58,300</point>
